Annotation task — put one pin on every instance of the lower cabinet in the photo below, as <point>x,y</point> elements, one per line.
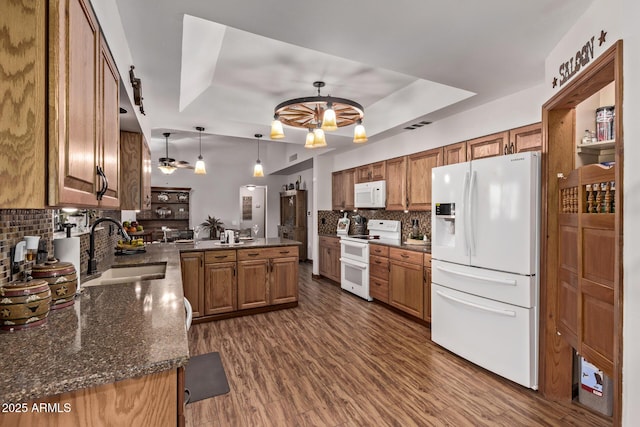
<point>406,281</point>
<point>329,251</point>
<point>191,264</point>
<point>220,282</point>
<point>427,287</point>
<point>220,285</point>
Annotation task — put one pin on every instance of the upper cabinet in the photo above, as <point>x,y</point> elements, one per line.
<point>371,172</point>
<point>419,168</point>
<point>68,108</point>
<point>487,146</point>
<point>342,189</point>
<point>525,138</point>
<point>135,172</point>
<point>455,153</point>
<point>397,184</point>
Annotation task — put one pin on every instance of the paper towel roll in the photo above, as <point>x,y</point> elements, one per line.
<point>68,250</point>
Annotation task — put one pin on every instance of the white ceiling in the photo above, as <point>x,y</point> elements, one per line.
<point>225,65</point>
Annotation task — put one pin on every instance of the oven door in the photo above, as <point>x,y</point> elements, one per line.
<point>354,277</point>
<point>358,251</point>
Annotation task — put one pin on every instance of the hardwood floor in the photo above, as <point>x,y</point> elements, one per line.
<point>337,360</point>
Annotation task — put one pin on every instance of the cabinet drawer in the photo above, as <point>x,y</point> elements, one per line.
<point>219,256</point>
<point>379,289</point>
<point>379,267</point>
<point>406,256</point>
<point>262,253</point>
<point>378,250</point>
<point>330,242</point>
<point>427,260</point>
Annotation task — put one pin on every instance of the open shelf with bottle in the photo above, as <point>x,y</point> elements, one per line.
<point>595,130</point>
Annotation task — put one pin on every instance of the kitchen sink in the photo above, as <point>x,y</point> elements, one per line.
<point>127,274</point>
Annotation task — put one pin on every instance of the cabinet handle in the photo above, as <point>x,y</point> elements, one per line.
<point>506,149</point>
<point>220,256</point>
<point>284,252</point>
<point>404,255</point>
<point>105,182</point>
<point>512,149</point>
<point>234,271</point>
<point>253,254</point>
<point>147,201</point>
<point>377,262</point>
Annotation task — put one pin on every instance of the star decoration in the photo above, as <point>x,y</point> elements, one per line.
<point>5,312</point>
<point>555,82</point>
<point>601,39</point>
<point>62,290</point>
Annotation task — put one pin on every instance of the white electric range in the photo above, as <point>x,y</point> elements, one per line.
<point>354,260</point>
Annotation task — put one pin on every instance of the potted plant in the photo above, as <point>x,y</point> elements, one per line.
<point>214,225</point>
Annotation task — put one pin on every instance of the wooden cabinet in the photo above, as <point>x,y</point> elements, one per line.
<point>220,285</point>
<point>170,208</point>
<point>426,265</point>
<point>379,272</point>
<point>83,94</point>
<point>135,160</point>
<point>267,276</point>
<point>63,136</point>
<point>371,172</point>
<point>342,189</point>
<point>487,146</point>
<point>455,153</point>
<point>525,138</point>
<point>586,269</point>
<point>293,218</point>
<point>191,269</point>
<point>396,170</point>
<point>283,283</point>
<point>329,263</point>
<point>406,282</point>
<point>419,168</point>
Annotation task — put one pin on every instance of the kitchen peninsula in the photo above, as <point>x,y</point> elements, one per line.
<point>120,348</point>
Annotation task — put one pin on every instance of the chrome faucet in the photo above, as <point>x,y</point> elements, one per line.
<point>93,263</point>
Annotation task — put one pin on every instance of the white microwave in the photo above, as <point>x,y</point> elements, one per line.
<point>370,194</point>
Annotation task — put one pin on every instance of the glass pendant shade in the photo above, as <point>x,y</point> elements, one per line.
<point>359,134</point>
<point>310,138</point>
<point>200,168</point>
<point>277,132</point>
<point>258,172</point>
<point>329,119</point>
<point>319,140</point>
<point>167,169</point>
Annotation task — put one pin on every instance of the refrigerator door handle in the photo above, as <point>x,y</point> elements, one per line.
<point>484,278</point>
<point>508,313</point>
<point>470,210</point>
<point>465,215</point>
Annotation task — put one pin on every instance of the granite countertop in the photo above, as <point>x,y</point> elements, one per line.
<point>208,245</point>
<point>111,333</point>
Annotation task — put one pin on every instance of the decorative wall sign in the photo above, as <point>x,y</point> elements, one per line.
<point>573,65</point>
<point>247,211</point>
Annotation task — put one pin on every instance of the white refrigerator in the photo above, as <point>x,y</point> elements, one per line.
<point>485,263</point>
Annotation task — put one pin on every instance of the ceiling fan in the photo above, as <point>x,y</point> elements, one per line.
<point>169,165</point>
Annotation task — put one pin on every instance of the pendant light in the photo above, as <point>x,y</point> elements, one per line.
<point>200,168</point>
<point>258,172</point>
<point>167,163</point>
<point>277,132</point>
<point>359,134</point>
<point>310,138</point>
<point>319,141</point>
<point>329,118</point>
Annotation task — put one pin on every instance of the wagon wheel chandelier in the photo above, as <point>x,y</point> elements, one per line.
<point>318,114</point>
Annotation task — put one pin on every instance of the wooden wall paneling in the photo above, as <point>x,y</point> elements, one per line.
<point>22,124</point>
<point>556,355</point>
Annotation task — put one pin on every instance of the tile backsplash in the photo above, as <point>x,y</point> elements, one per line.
<point>17,223</point>
<point>328,220</point>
